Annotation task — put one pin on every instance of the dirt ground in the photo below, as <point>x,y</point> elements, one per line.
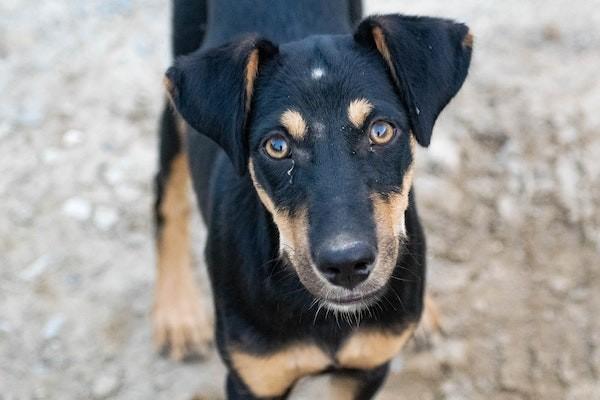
<point>509,193</point>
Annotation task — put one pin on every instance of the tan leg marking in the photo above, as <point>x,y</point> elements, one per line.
<point>179,319</point>
<point>294,123</point>
<point>369,349</point>
<point>358,111</point>
<point>272,375</point>
<point>431,321</point>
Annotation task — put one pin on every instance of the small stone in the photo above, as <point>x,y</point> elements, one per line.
<point>559,284</point>
<point>508,209</point>
<point>53,326</point>
<point>114,175</point>
<point>77,208</point>
<point>105,217</point>
<point>36,268</point>
<point>452,352</point>
<point>50,155</point>
<point>72,138</point>
<point>5,326</point>
<point>106,386</point>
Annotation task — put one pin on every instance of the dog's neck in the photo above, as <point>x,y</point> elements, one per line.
<point>278,20</point>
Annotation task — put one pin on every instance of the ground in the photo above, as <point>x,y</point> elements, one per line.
<point>509,194</point>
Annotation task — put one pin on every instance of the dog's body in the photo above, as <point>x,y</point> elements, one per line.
<point>286,306</point>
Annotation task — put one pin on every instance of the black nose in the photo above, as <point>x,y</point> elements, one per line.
<point>346,264</point>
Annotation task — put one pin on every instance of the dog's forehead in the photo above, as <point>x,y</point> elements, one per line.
<point>316,57</point>
<point>319,77</point>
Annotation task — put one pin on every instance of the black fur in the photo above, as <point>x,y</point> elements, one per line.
<point>260,303</point>
<point>434,63</point>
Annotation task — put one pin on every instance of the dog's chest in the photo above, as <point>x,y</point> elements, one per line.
<point>272,374</point>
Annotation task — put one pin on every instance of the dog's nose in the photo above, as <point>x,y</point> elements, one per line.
<point>346,264</point>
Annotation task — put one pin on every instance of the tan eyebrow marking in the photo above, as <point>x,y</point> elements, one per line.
<point>294,123</point>
<point>358,111</point>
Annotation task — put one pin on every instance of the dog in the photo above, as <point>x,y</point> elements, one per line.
<point>299,134</point>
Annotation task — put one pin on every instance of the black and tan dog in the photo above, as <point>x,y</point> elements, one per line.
<point>300,138</point>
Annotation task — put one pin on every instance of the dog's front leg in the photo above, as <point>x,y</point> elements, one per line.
<point>181,326</point>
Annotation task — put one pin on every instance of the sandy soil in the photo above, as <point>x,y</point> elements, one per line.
<point>509,195</point>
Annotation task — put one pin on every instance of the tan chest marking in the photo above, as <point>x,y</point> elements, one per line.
<point>272,375</point>
<point>369,349</point>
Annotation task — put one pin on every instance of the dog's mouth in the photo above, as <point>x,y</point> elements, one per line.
<point>358,298</point>
<point>353,301</point>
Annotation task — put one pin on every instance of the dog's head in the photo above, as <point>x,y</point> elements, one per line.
<point>326,128</point>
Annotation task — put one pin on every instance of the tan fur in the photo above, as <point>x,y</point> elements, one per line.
<point>178,316</point>
<point>272,375</point>
<point>431,320</point>
<point>251,74</point>
<point>468,40</point>
<point>358,111</point>
<point>369,349</point>
<point>293,122</point>
<point>169,86</point>
<point>343,388</point>
<point>382,47</point>
<point>293,230</point>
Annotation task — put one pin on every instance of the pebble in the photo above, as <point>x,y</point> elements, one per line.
<point>106,386</point>
<point>72,138</point>
<point>452,352</point>
<point>114,175</point>
<point>50,155</point>
<point>53,326</point>
<point>5,326</point>
<point>559,284</point>
<point>37,268</point>
<point>77,208</point>
<point>105,217</point>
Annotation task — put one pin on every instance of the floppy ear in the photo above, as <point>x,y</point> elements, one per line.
<point>212,90</point>
<point>428,60</point>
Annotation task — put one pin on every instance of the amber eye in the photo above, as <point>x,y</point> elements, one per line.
<point>277,147</point>
<point>381,132</point>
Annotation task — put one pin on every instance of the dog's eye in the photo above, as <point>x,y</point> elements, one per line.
<point>381,132</point>
<point>277,147</point>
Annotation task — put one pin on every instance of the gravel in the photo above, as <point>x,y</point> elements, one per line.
<point>508,194</point>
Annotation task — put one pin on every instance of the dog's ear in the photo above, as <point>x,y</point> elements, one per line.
<point>212,90</point>
<point>428,60</point>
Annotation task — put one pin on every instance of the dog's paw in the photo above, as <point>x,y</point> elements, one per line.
<point>430,329</point>
<point>182,330</point>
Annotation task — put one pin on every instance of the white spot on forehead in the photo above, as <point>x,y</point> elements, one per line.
<point>317,73</point>
<point>319,127</point>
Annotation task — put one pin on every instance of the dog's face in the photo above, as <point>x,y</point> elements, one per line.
<point>331,155</point>
<point>327,128</point>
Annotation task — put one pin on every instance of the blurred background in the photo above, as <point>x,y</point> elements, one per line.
<point>509,193</point>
